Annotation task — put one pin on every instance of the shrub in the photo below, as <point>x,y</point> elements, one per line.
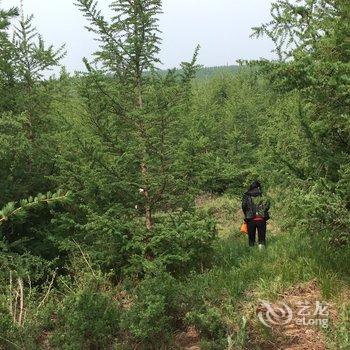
<point>208,321</point>
<point>8,331</point>
<point>88,319</point>
<point>156,311</point>
<point>181,244</point>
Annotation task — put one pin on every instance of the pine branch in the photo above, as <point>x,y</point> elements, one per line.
<point>10,210</point>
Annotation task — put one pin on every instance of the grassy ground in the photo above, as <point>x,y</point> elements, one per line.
<point>242,276</point>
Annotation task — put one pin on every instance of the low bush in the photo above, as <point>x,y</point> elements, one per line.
<point>156,312</point>
<point>181,243</point>
<point>87,319</point>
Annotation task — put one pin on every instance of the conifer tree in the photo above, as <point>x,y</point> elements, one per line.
<point>7,78</point>
<point>26,100</point>
<point>27,122</point>
<point>312,39</point>
<point>143,103</point>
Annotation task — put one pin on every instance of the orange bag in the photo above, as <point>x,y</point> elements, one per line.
<point>244,228</point>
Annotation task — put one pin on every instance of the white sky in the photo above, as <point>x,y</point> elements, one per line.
<point>221,27</point>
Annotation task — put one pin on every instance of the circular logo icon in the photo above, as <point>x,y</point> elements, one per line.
<point>274,315</point>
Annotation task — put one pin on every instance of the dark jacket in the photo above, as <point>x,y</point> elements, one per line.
<point>254,203</point>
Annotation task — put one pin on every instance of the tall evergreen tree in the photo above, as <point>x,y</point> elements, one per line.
<point>313,38</point>
<point>145,119</point>
<point>7,74</point>
<point>28,143</point>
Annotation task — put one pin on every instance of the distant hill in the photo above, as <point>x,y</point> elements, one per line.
<point>209,72</point>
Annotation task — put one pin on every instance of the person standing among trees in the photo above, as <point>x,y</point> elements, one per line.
<point>256,207</point>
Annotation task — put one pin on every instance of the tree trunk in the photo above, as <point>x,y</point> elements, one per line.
<point>148,208</point>
<point>143,166</point>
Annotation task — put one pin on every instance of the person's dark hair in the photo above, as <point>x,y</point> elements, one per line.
<point>255,184</point>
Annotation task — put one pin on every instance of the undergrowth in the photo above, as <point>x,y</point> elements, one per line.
<point>241,276</point>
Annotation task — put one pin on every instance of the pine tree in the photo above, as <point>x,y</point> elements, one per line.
<point>144,103</point>
<point>27,100</point>
<point>28,125</point>
<point>312,39</point>
<point>7,73</point>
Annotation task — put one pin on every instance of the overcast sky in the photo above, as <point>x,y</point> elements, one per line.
<point>221,27</point>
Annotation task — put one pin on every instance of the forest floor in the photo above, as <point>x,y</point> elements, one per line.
<point>305,284</point>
